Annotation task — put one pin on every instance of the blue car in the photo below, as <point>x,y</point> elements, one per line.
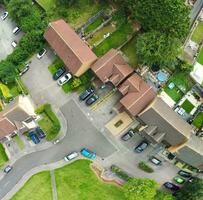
<point>88,154</point>
<point>86,94</point>
<point>34,137</point>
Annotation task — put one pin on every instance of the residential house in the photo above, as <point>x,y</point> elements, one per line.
<point>192,152</point>
<point>162,125</point>
<point>71,49</point>
<point>112,68</point>
<point>137,94</point>
<point>17,116</point>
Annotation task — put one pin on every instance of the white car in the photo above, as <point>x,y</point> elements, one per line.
<point>14,44</point>
<point>64,79</point>
<point>71,156</point>
<point>4,16</point>
<point>56,141</point>
<point>41,53</point>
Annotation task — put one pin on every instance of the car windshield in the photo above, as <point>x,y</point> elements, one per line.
<point>41,52</point>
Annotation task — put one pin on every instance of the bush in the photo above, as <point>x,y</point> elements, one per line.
<point>143,166</point>
<point>55,65</point>
<point>50,123</point>
<point>120,173</point>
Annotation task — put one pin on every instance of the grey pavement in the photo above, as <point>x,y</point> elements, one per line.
<point>6,36</point>
<point>80,134</point>
<point>196,10</point>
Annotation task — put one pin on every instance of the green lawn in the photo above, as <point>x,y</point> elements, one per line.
<point>47,4</point>
<point>174,93</point>
<point>76,14</point>
<point>98,36</point>
<point>38,187</point>
<point>94,25</point>
<point>200,57</point>
<point>19,142</point>
<point>77,182</point>
<point>3,156</point>
<point>197,35</point>
<point>129,51</point>
<point>115,40</point>
<point>49,122</point>
<point>198,120</point>
<point>187,106</point>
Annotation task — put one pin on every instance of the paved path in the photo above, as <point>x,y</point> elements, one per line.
<point>53,185</point>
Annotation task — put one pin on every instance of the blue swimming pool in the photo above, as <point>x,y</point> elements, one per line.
<point>161,76</point>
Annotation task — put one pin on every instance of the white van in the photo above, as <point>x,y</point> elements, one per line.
<point>16,30</point>
<point>71,156</point>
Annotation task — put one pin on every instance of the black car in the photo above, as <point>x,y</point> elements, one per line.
<point>7,169</point>
<point>185,174</point>
<point>171,186</point>
<point>59,73</point>
<point>40,133</point>
<point>141,147</point>
<point>86,94</point>
<point>128,135</point>
<point>92,99</point>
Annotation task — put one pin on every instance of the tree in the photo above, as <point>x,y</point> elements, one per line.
<point>19,8</point>
<point>161,195</point>
<point>191,190</point>
<point>7,72</point>
<point>140,189</point>
<point>157,48</point>
<point>167,16</point>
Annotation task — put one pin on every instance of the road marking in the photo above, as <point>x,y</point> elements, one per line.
<point>6,183</point>
<point>102,100</point>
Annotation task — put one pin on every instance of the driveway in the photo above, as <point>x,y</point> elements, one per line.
<point>38,80</point>
<point>6,36</point>
<point>77,137</point>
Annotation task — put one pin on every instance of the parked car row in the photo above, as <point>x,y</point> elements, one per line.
<point>85,152</point>
<point>182,177</point>
<point>89,96</point>
<point>36,134</point>
<point>61,76</point>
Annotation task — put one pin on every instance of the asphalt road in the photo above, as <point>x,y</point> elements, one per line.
<point>195,10</point>
<point>80,133</point>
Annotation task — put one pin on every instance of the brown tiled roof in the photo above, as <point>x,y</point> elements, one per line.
<point>6,127</point>
<point>68,45</point>
<point>137,94</point>
<point>112,67</point>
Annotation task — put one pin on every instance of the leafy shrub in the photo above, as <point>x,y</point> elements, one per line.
<point>55,65</point>
<point>143,166</point>
<point>120,173</point>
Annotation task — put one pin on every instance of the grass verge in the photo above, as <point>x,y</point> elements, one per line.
<point>200,57</point>
<point>19,142</point>
<point>49,122</point>
<point>37,187</point>
<point>94,25</point>
<point>78,182</point>
<point>197,35</point>
<point>3,156</point>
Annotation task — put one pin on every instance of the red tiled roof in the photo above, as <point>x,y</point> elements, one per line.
<point>112,67</point>
<point>68,45</point>
<point>137,94</point>
<point>6,127</point>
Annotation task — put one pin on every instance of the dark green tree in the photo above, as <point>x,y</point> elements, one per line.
<point>19,9</point>
<point>191,190</point>
<point>140,189</point>
<point>7,72</point>
<point>155,47</point>
<point>161,195</point>
<point>167,16</point>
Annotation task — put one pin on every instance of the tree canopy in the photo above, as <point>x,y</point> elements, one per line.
<point>155,47</point>
<point>161,195</point>
<point>191,190</point>
<point>140,189</point>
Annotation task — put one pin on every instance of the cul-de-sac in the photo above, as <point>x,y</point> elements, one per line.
<point>101,99</point>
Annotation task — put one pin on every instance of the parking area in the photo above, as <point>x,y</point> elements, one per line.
<point>6,35</point>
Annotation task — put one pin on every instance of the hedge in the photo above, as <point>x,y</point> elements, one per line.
<point>120,173</point>
<point>143,166</point>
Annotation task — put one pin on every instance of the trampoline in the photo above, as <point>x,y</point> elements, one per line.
<point>161,76</point>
